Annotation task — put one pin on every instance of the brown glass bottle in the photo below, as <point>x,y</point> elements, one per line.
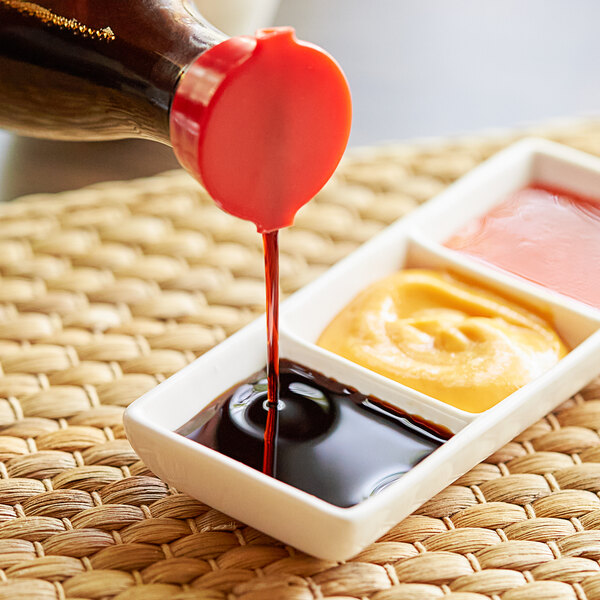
<point>95,69</point>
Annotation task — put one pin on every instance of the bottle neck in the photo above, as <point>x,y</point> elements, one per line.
<point>84,69</point>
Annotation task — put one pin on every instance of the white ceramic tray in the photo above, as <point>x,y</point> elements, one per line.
<point>311,524</point>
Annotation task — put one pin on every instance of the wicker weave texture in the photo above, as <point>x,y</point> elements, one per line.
<point>107,290</point>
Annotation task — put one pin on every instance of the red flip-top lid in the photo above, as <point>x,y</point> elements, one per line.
<point>262,123</point>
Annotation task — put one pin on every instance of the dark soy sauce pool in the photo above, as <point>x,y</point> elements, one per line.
<point>333,442</point>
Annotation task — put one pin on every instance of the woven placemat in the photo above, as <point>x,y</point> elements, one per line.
<point>106,291</point>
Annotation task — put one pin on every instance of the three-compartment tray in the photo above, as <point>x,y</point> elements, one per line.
<point>311,524</point>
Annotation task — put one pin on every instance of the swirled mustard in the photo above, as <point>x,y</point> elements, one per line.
<point>449,339</point>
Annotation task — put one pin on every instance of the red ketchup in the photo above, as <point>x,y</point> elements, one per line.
<point>546,235</point>
<point>262,123</point>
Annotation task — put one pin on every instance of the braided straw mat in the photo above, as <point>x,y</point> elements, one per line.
<point>107,290</point>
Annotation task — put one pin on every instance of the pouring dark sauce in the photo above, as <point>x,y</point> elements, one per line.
<point>271,252</point>
<point>333,442</point>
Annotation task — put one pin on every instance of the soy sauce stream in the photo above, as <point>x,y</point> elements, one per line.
<point>271,252</point>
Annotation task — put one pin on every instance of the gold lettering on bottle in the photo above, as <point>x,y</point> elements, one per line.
<point>47,17</point>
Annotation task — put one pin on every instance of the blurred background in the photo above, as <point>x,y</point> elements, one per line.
<point>417,68</point>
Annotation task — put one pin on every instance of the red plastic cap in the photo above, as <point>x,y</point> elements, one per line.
<point>262,123</point>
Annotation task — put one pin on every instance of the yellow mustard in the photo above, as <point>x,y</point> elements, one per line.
<point>446,338</point>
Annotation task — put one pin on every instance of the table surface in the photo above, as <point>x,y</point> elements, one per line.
<point>416,68</point>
